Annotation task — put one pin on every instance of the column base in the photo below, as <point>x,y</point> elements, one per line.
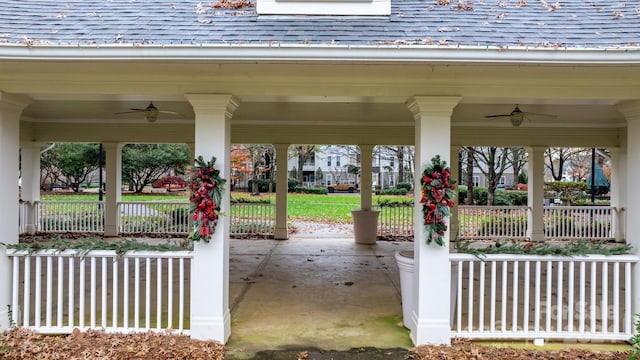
<point>209,328</point>
<point>430,332</point>
<point>31,229</point>
<point>281,234</point>
<point>110,231</point>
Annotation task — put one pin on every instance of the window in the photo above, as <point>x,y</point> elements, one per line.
<point>329,179</point>
<point>323,7</point>
<point>338,161</point>
<point>329,161</point>
<point>503,180</point>
<point>476,181</point>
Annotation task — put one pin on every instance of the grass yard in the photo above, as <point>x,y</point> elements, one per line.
<point>304,207</point>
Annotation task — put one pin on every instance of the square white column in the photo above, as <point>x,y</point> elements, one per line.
<point>282,190</point>
<point>113,193</point>
<point>631,111</point>
<point>11,107</point>
<point>210,318</point>
<point>30,189</point>
<point>430,323</point>
<point>366,176</point>
<point>535,196</point>
<point>618,192</point>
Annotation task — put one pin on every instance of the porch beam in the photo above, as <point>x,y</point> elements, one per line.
<point>30,175</point>
<point>535,196</point>
<point>11,107</point>
<point>210,317</point>
<point>430,323</point>
<point>282,189</point>
<point>113,193</point>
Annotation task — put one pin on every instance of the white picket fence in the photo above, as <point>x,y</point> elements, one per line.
<point>57,291</point>
<point>155,217</point>
<point>138,217</point>
<point>395,221</point>
<point>70,216</point>
<point>474,222</point>
<point>22,217</point>
<point>509,222</point>
<point>492,222</point>
<point>543,297</point>
<point>253,219</point>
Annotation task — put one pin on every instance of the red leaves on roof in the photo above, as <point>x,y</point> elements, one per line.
<point>232,4</point>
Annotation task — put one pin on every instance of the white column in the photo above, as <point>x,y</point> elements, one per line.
<point>11,107</point>
<point>366,176</point>
<point>282,189</point>
<point>30,174</point>
<point>631,111</point>
<point>618,192</point>
<point>210,318</point>
<point>454,166</point>
<point>535,228</point>
<point>113,193</point>
<point>430,323</point>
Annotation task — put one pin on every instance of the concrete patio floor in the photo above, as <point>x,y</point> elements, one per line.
<point>319,291</point>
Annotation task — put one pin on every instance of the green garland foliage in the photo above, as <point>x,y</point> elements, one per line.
<point>571,248</point>
<point>207,187</point>
<point>83,246</point>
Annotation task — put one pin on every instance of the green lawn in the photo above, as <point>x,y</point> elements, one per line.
<point>307,207</point>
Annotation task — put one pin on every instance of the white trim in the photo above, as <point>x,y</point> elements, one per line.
<point>323,7</point>
<point>318,53</point>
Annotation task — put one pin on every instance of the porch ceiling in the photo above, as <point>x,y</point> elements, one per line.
<point>322,103</point>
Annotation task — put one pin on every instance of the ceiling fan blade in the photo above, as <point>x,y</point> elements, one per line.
<point>129,112</point>
<point>495,116</point>
<point>169,112</point>
<point>543,115</point>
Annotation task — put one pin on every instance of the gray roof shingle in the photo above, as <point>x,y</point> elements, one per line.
<point>570,23</point>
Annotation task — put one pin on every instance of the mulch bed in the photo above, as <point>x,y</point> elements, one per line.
<point>21,343</point>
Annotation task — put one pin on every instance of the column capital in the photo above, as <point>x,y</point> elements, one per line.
<point>214,102</point>
<point>280,147</point>
<point>14,102</point>
<point>432,105</point>
<point>630,109</point>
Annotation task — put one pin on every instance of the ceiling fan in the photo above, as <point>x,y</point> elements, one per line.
<point>517,116</point>
<point>150,112</point>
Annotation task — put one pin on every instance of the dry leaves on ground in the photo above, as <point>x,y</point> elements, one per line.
<point>21,343</point>
<point>465,349</point>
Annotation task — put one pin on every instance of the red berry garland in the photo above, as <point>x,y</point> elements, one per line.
<point>438,192</point>
<point>206,195</point>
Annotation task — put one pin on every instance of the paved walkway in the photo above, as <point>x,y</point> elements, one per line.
<point>324,293</point>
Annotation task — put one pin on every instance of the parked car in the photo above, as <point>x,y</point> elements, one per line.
<point>349,187</point>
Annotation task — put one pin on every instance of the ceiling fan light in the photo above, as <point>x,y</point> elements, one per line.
<point>517,118</point>
<point>151,113</point>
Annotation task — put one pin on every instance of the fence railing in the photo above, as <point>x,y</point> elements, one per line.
<point>155,217</point>
<point>23,209</point>
<point>55,292</point>
<point>395,221</point>
<point>253,219</point>
<point>492,222</point>
<point>578,222</point>
<point>530,297</point>
<point>70,216</point>
<point>474,222</point>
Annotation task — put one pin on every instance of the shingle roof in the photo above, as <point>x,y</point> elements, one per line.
<point>534,23</point>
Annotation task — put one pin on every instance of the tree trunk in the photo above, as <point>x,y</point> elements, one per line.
<point>400,155</point>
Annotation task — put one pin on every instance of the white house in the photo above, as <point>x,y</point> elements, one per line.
<point>365,73</point>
